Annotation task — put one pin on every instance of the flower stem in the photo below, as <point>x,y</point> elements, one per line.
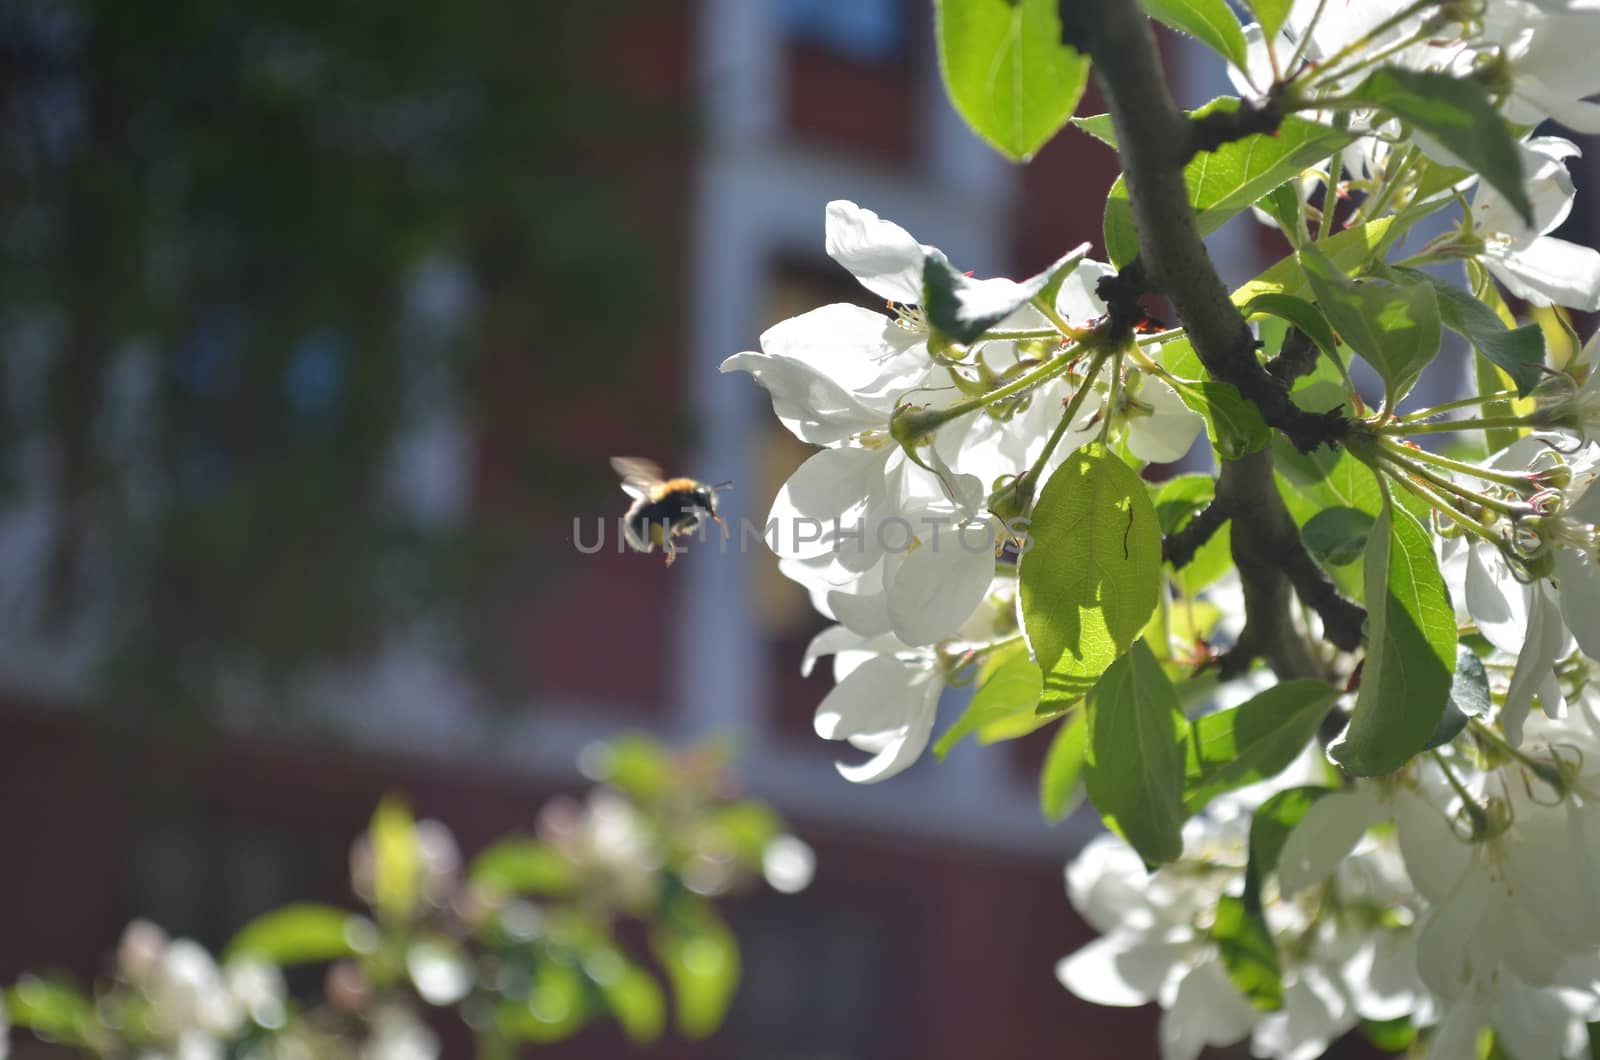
<point>1399,457</point>
<point>1439,502</point>
<point>1480,424</point>
<point>1504,478</point>
<point>1030,477</point>
<point>1461,403</point>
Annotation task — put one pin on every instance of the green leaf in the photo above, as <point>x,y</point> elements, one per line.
<point>1469,698</point>
<point>632,994</point>
<point>1282,204</point>
<point>636,765</point>
<point>1299,312</point>
<point>1270,14</point>
<point>1100,127</point>
<point>1133,766</point>
<point>520,865</point>
<point>1210,22</point>
<point>1395,327</point>
<point>1012,689</point>
<point>1350,250</point>
<point>1178,500</point>
<point>1336,536</point>
<point>1063,768</point>
<point>1230,179</point>
<point>1411,653</point>
<point>1248,954</point>
<point>1253,741</point>
<point>961,308</point>
<point>1519,351</point>
<point>1092,577</point>
<point>304,933</point>
<point>1007,71</point>
<point>1233,425</point>
<point>396,858</point>
<point>1458,114</point>
<point>54,1008</point>
<point>1269,830</point>
<point>701,959</point>
<point>1327,478</point>
<point>556,1007</point>
<point>1392,1036</point>
<point>748,828</point>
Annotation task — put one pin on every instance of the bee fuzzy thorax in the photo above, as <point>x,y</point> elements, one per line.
<point>663,508</point>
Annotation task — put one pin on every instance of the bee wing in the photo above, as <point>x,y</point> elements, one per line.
<point>638,475</point>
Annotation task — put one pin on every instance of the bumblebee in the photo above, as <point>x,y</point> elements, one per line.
<point>664,508</point>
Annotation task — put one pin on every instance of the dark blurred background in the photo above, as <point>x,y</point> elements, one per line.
<point>318,324</point>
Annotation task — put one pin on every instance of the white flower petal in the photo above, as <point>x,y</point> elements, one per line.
<point>1579,577</point>
<point>812,406</point>
<point>1167,433</point>
<point>879,253</point>
<point>830,641</point>
<point>828,495</point>
<point>1549,271</point>
<point>1118,969</point>
<point>899,749</point>
<point>1208,1010</point>
<point>1444,952</point>
<point>1495,599</point>
<point>1434,857</point>
<point>878,696</point>
<point>941,582</point>
<point>1324,837</point>
<point>862,351</point>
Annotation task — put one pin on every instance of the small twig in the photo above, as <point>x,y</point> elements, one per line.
<point>1180,546</point>
<point>1342,618</point>
<point>1297,358</point>
<point>1211,131</point>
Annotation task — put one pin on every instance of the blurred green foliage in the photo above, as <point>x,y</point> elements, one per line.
<point>528,943</point>
<point>211,229</point>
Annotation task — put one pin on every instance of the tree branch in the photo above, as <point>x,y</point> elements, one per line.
<point>1179,547</point>
<point>1211,131</point>
<point>1156,138</point>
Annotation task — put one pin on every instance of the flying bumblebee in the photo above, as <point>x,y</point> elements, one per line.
<point>664,508</point>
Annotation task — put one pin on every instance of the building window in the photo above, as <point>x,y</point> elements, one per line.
<point>866,30</point>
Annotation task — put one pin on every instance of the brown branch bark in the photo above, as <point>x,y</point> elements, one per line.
<point>1156,138</point>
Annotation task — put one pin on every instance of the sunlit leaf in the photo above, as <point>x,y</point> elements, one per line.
<point>1091,579</point>
<point>1394,326</point>
<point>1063,768</point>
<point>1012,689</point>
<point>1457,112</point>
<point>396,858</point>
<point>303,933</point>
<point>1257,739</point>
<point>1270,826</point>
<point>1133,766</point>
<point>1411,650</point>
<point>53,1008</point>
<point>1518,351</point>
<point>520,865</point>
<point>1248,955</point>
<point>1229,179</point>
<point>701,959</point>
<point>1211,22</point>
<point>1007,71</point>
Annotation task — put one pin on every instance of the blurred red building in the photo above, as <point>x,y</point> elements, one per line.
<point>938,909</point>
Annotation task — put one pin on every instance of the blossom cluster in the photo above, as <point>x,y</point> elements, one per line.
<point>839,377</point>
<point>1438,898</point>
